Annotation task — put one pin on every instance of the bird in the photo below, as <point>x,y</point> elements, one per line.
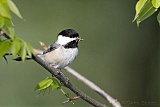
<point>63,51</point>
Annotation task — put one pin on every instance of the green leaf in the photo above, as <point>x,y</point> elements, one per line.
<point>146,11</point>
<point>30,50</point>
<point>1,21</point>
<point>55,87</point>
<point>23,51</point>
<point>13,8</point>
<point>56,84</point>
<point>156,3</point>
<point>44,84</point>
<point>15,47</point>
<point>56,81</point>
<point>4,47</point>
<point>48,83</point>
<point>140,5</point>
<point>20,47</point>
<point>4,11</point>
<point>158,18</point>
<point>8,28</point>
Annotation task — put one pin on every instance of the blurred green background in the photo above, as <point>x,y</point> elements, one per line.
<point>118,56</point>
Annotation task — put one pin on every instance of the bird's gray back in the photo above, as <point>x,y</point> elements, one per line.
<point>51,47</point>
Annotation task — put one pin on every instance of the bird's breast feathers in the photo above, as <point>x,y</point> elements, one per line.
<point>60,57</point>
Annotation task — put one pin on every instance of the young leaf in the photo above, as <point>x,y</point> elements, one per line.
<point>23,51</point>
<point>30,50</point>
<point>4,47</point>
<point>4,11</point>
<point>44,84</point>
<point>8,28</point>
<point>56,84</point>
<point>158,18</point>
<point>13,8</point>
<point>140,5</point>
<point>55,87</point>
<point>15,47</point>
<point>146,11</point>
<point>156,3</point>
<point>1,21</point>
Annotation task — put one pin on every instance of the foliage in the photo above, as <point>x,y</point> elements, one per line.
<point>145,8</point>
<point>17,46</point>
<point>51,84</point>
<point>48,83</point>
<point>4,47</point>
<point>11,42</point>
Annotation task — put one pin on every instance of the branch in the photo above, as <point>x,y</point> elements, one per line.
<point>59,75</point>
<point>111,100</point>
<point>94,87</point>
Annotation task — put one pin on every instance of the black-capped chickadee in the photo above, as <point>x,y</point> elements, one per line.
<point>62,52</point>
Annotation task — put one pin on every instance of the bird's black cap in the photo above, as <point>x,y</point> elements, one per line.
<point>69,33</point>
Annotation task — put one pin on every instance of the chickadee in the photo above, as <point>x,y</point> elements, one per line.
<point>62,52</point>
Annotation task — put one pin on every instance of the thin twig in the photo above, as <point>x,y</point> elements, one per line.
<point>71,99</point>
<point>93,86</point>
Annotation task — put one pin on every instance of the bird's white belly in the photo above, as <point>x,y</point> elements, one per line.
<point>61,57</point>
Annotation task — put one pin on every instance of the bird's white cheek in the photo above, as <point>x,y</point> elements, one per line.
<point>64,40</point>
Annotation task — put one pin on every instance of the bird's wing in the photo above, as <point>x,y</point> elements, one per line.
<point>51,48</point>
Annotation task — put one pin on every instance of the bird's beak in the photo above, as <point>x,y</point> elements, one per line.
<point>79,39</point>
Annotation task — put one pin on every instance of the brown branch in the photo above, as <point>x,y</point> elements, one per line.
<point>59,75</point>
<point>89,83</point>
